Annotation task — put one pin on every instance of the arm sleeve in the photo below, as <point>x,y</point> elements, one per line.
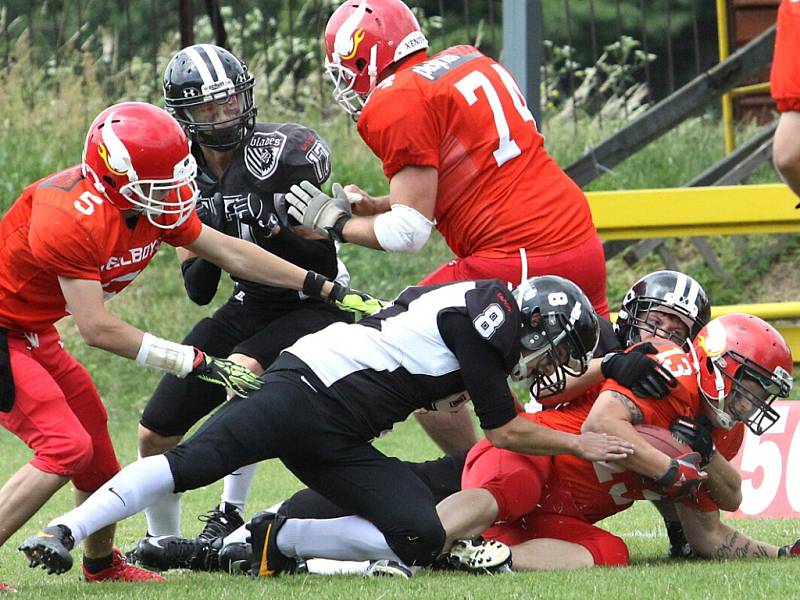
<point>482,369</point>
<point>201,279</point>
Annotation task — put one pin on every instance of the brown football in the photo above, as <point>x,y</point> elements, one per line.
<point>661,439</point>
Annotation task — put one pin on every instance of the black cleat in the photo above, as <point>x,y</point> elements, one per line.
<point>235,558</point>
<point>220,523</point>
<point>50,549</point>
<point>163,552</point>
<point>476,556</point>
<point>267,560</point>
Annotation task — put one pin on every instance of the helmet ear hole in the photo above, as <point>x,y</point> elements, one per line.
<point>361,64</point>
<point>709,366</point>
<point>108,180</point>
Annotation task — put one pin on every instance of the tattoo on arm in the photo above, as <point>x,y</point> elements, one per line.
<point>634,412</point>
<point>740,546</point>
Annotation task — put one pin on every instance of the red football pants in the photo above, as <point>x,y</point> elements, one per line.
<point>58,412</point>
<point>584,265</point>
<point>517,482</point>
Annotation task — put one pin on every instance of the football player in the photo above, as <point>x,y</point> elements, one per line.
<point>71,241</point>
<point>462,153</point>
<point>665,305</point>
<point>545,509</point>
<point>244,168</point>
<point>785,80</point>
<point>323,401</point>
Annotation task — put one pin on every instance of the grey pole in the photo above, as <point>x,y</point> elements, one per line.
<point>523,52</point>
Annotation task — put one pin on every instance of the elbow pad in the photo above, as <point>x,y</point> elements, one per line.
<point>201,279</point>
<point>402,229</point>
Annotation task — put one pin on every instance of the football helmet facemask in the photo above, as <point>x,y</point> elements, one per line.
<point>210,93</point>
<point>558,333</point>
<point>668,292</point>
<point>744,364</point>
<point>138,157</point>
<point>362,39</point>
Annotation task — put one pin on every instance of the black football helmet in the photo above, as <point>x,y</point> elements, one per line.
<point>557,322</point>
<point>665,291</point>
<point>210,93</point>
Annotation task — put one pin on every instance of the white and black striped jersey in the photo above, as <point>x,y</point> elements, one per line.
<point>430,343</point>
<point>272,159</point>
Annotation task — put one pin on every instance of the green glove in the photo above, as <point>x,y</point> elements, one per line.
<point>226,373</point>
<point>360,303</point>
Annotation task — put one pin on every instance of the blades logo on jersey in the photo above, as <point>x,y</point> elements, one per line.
<point>263,152</point>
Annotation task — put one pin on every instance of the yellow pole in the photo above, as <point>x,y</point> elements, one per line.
<point>724,51</point>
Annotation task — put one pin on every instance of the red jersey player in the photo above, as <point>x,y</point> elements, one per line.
<point>71,241</point>
<point>460,150</point>
<point>785,80</point>
<point>545,508</point>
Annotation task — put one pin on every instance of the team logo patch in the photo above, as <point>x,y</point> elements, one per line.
<point>263,153</point>
<point>320,159</point>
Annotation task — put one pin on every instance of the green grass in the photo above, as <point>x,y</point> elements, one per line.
<point>41,130</point>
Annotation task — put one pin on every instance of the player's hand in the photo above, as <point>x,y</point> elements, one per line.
<point>696,435</point>
<point>683,477</point>
<point>361,203</point>
<point>790,550</point>
<point>212,211</point>
<point>638,372</point>
<point>316,210</point>
<point>251,210</point>
<point>221,371</point>
<point>599,446</point>
<point>360,303</point>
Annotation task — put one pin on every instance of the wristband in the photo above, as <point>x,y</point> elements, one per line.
<point>337,231</point>
<point>312,285</point>
<point>164,355</point>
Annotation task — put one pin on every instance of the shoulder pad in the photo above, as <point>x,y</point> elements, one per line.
<point>288,152</point>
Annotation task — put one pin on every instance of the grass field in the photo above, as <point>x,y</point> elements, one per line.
<point>156,302</point>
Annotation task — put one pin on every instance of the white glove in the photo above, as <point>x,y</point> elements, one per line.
<point>318,211</point>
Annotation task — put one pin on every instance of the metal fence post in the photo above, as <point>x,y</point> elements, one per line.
<point>523,34</point>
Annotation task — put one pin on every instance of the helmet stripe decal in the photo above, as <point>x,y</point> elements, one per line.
<point>680,288</point>
<point>694,291</point>
<point>200,64</point>
<point>344,44</point>
<point>117,156</point>
<point>215,61</point>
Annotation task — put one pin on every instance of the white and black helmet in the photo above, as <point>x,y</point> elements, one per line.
<point>557,321</point>
<point>671,292</point>
<point>205,73</point>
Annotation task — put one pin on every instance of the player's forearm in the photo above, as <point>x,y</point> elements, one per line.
<point>724,483</point>
<point>361,231</point>
<point>522,435</point>
<point>109,333</point>
<point>645,460</point>
<point>729,543</point>
<point>576,386</point>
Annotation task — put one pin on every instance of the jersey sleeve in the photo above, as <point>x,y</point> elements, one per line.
<point>186,233</point>
<point>680,402</point>
<point>62,245</point>
<point>727,442</point>
<point>399,127</point>
<point>482,371</point>
<point>495,318</point>
<point>304,157</point>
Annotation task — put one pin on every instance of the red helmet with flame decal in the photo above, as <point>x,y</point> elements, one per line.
<point>138,157</point>
<point>362,39</point>
<point>743,365</point>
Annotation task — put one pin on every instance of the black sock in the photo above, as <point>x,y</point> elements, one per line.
<point>95,565</point>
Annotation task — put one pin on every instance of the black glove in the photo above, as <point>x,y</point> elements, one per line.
<point>789,550</point>
<point>638,372</point>
<point>678,546</point>
<point>226,373</point>
<point>251,210</point>
<point>360,303</point>
<point>696,434</point>
<point>212,211</point>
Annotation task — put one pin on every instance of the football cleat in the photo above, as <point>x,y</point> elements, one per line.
<point>388,568</point>
<point>235,558</point>
<point>220,522</point>
<point>50,549</point>
<point>477,556</point>
<point>120,570</point>
<point>164,552</point>
<point>267,560</point>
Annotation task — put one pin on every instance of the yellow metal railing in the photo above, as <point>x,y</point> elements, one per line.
<point>704,211</point>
